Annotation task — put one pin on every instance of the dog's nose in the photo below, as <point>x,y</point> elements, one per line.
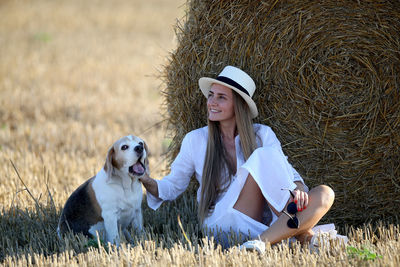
<point>139,149</point>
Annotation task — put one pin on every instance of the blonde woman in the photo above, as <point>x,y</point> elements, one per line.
<point>246,182</point>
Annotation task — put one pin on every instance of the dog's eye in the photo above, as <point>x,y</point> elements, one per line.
<point>141,143</point>
<point>124,147</point>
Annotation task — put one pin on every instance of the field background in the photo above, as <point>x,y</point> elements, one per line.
<point>74,77</point>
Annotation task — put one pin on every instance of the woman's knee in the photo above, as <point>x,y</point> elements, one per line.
<point>326,196</point>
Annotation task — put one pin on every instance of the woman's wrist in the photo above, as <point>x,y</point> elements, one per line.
<point>299,186</point>
<point>145,179</point>
<point>150,184</point>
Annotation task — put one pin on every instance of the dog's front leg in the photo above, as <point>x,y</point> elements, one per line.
<point>111,227</point>
<point>127,235</point>
<point>137,221</point>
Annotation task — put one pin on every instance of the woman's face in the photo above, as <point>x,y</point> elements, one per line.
<point>220,103</point>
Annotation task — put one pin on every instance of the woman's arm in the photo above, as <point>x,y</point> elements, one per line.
<point>299,186</point>
<point>176,182</point>
<point>301,198</point>
<point>269,138</point>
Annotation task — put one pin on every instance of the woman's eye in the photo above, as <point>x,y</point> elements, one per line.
<point>124,147</point>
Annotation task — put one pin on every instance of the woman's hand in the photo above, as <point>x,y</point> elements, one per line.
<point>300,199</point>
<point>145,178</point>
<point>150,184</point>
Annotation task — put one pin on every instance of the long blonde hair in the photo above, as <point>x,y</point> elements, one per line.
<point>216,163</point>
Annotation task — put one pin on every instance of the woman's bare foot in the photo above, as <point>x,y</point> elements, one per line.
<point>305,237</point>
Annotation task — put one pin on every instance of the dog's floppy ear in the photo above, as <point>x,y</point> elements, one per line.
<point>146,160</point>
<point>109,165</point>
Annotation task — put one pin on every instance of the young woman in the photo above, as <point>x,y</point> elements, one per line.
<point>246,182</point>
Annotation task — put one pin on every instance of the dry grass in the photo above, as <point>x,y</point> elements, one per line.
<point>74,77</point>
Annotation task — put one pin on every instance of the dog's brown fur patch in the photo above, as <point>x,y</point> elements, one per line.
<point>97,209</point>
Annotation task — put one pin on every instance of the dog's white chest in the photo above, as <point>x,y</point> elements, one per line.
<point>130,204</point>
<point>122,201</point>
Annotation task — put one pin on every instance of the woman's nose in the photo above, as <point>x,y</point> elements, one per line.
<point>211,101</point>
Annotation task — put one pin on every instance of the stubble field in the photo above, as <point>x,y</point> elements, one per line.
<point>74,77</point>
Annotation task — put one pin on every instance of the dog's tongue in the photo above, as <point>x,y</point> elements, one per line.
<point>138,168</point>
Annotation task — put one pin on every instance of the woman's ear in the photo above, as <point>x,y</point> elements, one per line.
<point>109,165</point>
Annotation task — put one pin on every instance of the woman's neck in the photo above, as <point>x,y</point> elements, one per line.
<point>228,130</point>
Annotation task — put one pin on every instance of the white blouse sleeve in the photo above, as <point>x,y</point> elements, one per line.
<point>270,139</point>
<point>176,182</point>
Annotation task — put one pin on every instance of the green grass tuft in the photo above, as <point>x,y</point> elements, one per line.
<point>363,253</point>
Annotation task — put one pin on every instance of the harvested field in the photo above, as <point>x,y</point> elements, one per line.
<point>74,77</point>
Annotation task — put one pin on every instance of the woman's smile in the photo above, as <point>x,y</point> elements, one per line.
<point>214,110</point>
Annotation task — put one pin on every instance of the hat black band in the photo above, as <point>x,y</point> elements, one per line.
<point>232,83</point>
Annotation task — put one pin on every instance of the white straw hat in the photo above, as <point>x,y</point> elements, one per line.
<point>237,80</point>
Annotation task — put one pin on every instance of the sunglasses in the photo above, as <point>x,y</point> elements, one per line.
<point>293,222</point>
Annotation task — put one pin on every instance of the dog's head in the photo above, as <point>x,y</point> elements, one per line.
<point>128,156</point>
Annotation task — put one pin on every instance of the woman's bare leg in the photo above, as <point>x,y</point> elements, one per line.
<point>251,200</point>
<point>320,200</point>
<point>252,203</point>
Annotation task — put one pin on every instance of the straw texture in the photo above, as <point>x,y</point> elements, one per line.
<point>328,82</point>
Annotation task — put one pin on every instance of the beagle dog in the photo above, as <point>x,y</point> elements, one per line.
<point>112,199</point>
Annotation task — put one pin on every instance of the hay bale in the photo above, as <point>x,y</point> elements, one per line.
<point>328,79</point>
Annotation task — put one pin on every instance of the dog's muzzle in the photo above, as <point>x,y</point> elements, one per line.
<point>138,168</point>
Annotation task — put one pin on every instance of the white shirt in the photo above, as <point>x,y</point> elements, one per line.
<point>191,160</point>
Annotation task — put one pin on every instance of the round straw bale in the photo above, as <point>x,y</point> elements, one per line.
<point>328,83</point>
